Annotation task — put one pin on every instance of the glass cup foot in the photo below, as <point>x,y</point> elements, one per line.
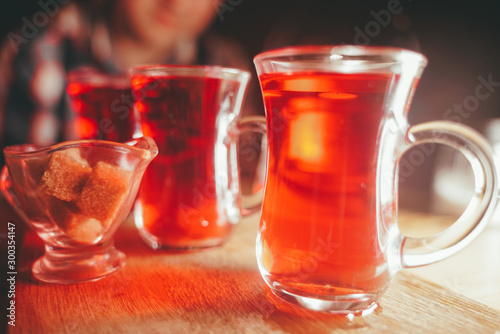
<point>185,243</point>
<point>348,305</point>
<point>68,265</point>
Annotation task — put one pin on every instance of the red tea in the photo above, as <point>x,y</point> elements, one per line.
<point>179,191</point>
<point>103,110</point>
<point>318,230</point>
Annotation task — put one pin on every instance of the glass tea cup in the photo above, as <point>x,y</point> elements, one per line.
<point>190,195</point>
<point>328,239</point>
<point>74,195</point>
<point>103,105</point>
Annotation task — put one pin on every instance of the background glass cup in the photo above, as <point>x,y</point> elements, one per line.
<point>75,195</point>
<point>328,239</point>
<point>103,106</point>
<point>190,196</point>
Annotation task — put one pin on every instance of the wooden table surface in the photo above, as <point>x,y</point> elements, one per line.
<point>473,272</point>
<point>219,290</point>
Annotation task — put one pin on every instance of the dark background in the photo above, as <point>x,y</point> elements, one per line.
<point>460,38</point>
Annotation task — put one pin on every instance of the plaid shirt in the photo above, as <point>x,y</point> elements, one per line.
<point>34,107</point>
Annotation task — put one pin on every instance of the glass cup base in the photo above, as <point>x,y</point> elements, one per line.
<point>68,266</point>
<point>349,305</point>
<point>156,243</point>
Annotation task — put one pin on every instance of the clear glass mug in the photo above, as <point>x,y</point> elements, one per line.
<point>328,239</point>
<point>190,195</point>
<point>75,194</point>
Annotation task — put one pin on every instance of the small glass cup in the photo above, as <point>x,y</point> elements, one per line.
<point>75,195</point>
<point>103,105</point>
<point>190,195</point>
<point>328,239</point>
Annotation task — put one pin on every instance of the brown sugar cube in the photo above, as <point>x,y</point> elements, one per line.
<point>76,155</point>
<point>104,192</point>
<point>66,174</point>
<point>84,230</point>
<point>76,226</point>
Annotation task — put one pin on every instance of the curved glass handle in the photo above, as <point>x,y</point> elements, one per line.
<point>247,124</point>
<point>422,251</point>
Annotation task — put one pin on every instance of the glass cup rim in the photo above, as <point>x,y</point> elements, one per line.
<point>144,146</point>
<point>95,77</point>
<point>341,53</point>
<point>209,71</point>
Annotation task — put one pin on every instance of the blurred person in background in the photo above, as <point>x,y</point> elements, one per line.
<point>107,35</point>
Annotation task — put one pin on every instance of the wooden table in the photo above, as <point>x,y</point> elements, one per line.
<point>220,290</point>
<point>473,272</point>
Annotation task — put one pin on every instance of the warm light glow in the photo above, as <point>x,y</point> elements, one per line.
<point>337,96</point>
<point>86,128</point>
<point>138,82</point>
<point>140,106</point>
<point>308,85</point>
<point>146,129</point>
<point>150,214</point>
<point>73,89</point>
<point>267,256</point>
<point>305,137</point>
<point>272,93</point>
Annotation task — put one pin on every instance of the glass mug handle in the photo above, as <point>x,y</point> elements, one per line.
<point>422,251</point>
<point>237,128</point>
